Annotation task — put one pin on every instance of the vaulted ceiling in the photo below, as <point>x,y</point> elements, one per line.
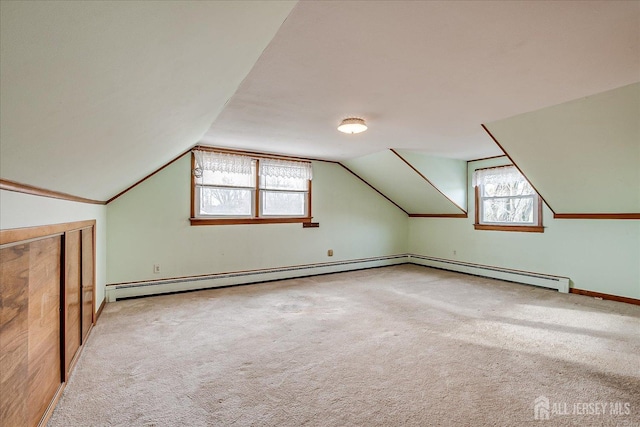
<point>424,74</point>
<point>94,96</point>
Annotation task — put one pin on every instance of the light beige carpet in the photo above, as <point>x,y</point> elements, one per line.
<point>394,346</point>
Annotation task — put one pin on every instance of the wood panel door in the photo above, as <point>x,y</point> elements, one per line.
<point>47,283</point>
<point>29,330</point>
<point>72,299</point>
<point>88,277</point>
<point>14,339</point>
<point>44,325</point>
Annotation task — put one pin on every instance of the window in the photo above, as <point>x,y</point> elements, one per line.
<point>506,201</point>
<point>241,189</point>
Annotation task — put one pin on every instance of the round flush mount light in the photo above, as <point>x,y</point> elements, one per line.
<point>352,125</point>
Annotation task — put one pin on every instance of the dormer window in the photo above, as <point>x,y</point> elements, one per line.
<point>506,201</point>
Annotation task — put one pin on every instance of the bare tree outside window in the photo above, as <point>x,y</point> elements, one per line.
<point>237,186</point>
<point>505,197</point>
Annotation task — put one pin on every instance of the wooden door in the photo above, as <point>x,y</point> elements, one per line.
<point>44,325</point>
<point>88,276</point>
<point>43,314</point>
<point>14,339</point>
<point>72,299</point>
<point>29,330</point>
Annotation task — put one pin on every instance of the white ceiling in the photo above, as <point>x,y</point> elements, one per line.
<point>424,75</point>
<point>96,95</point>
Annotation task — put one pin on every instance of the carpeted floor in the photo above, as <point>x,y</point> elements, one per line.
<point>393,346</point>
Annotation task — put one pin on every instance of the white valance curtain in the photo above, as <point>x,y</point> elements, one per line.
<point>498,175</point>
<point>277,168</point>
<point>221,162</point>
<point>239,164</point>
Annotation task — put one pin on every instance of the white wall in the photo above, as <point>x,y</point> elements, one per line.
<point>150,225</point>
<point>19,210</point>
<point>597,255</point>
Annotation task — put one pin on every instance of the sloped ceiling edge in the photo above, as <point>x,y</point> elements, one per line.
<point>448,176</point>
<point>583,156</point>
<point>397,180</point>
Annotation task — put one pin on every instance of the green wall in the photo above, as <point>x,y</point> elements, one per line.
<point>597,255</point>
<point>150,225</point>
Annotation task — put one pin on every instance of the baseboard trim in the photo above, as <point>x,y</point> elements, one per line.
<point>605,296</point>
<point>117,291</point>
<point>75,359</point>
<point>518,276</point>
<point>99,312</point>
<point>52,405</point>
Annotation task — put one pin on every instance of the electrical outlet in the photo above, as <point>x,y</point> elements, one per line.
<point>455,252</point>
<point>156,268</point>
<point>330,252</point>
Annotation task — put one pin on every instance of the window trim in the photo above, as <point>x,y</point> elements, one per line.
<point>538,228</point>
<point>255,218</point>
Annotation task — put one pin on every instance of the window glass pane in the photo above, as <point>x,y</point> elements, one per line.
<point>282,203</point>
<point>508,210</point>
<point>225,201</point>
<point>228,178</point>
<point>282,183</point>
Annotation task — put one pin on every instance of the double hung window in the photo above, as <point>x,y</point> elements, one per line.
<point>233,188</point>
<point>505,200</point>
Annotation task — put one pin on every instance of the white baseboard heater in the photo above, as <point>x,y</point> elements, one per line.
<point>191,283</point>
<point>547,281</point>
<point>154,287</point>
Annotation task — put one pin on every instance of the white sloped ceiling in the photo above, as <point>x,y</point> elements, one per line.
<point>96,95</point>
<point>582,156</point>
<point>447,175</point>
<point>390,175</point>
<point>424,74</point>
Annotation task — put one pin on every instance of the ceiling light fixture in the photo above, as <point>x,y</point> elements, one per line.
<point>352,125</point>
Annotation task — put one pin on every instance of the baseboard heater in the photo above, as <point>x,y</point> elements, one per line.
<point>153,287</point>
<point>547,281</point>
<point>190,283</point>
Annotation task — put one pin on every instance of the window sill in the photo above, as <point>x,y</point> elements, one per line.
<point>520,228</point>
<point>233,221</point>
